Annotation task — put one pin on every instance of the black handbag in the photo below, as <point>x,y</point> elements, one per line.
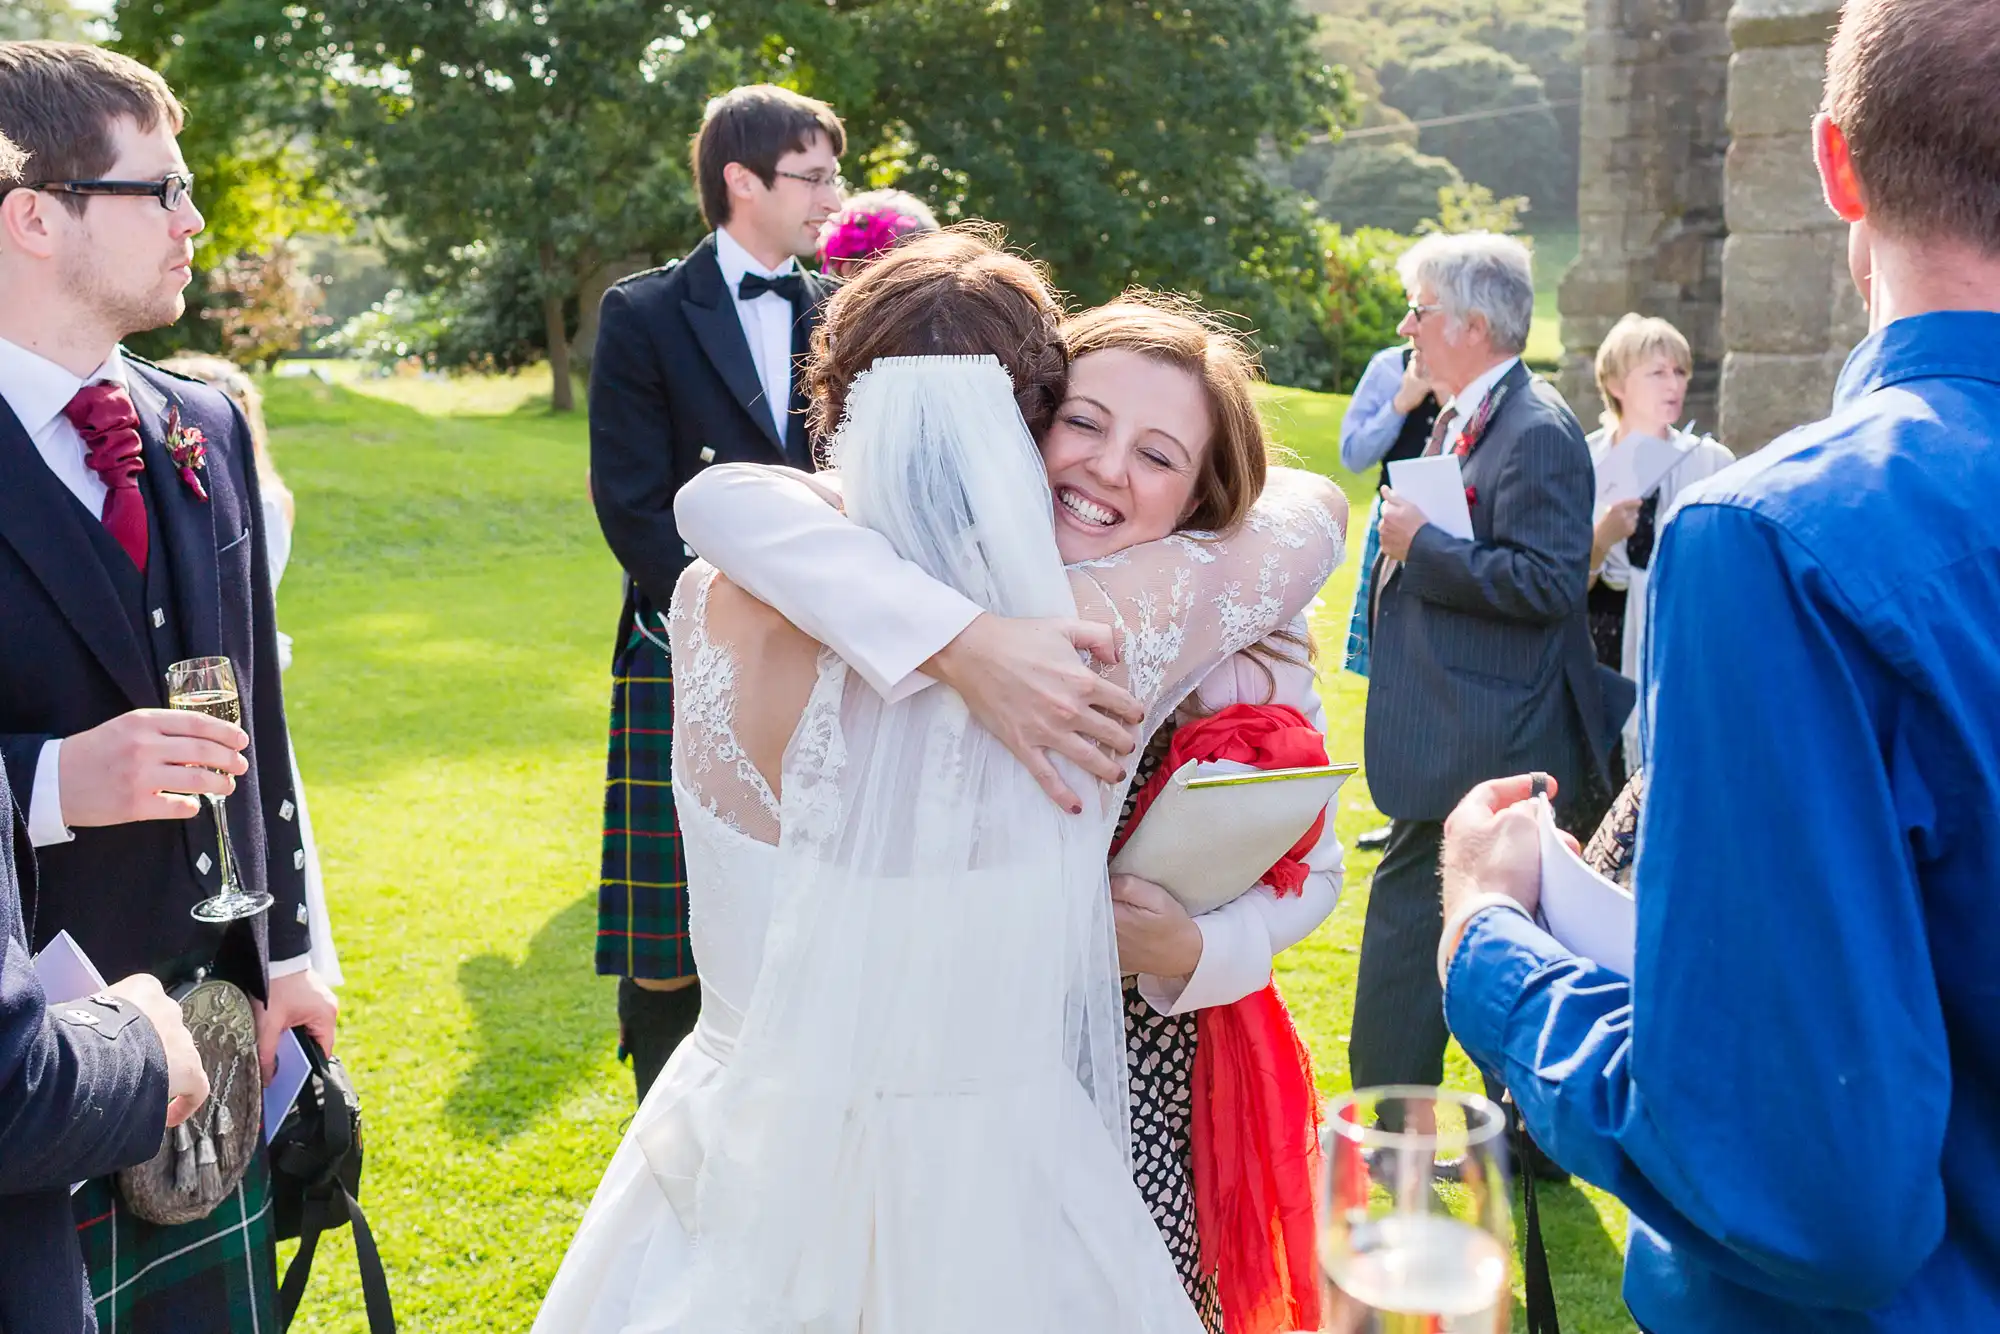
<point>316,1184</point>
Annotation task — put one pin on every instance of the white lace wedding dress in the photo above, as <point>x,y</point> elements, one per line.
<point>902,1110</point>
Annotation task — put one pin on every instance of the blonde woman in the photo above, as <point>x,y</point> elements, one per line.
<point>1643,370</point>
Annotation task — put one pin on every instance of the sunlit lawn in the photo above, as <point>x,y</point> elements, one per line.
<point>453,607</point>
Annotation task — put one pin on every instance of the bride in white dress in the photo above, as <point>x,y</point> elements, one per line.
<point>903,1109</point>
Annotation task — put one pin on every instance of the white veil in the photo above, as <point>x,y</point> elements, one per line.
<point>924,1125</point>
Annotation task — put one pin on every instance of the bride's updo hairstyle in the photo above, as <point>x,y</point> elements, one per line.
<point>1176,332</point>
<point>951,293</point>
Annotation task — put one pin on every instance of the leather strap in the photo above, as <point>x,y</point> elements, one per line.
<point>374,1282</point>
<point>1541,1294</point>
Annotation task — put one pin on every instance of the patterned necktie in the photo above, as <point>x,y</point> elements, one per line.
<point>104,416</point>
<point>1439,429</point>
<point>787,285</point>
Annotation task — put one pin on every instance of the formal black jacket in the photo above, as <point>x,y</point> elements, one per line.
<point>1481,665</point>
<point>83,1091</point>
<point>672,390</point>
<point>77,649</point>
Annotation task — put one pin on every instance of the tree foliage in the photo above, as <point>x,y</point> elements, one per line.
<point>258,181</point>
<point>45,20</point>
<point>1516,154</point>
<point>1385,41</point>
<point>1115,140</point>
<point>1366,300</point>
<point>1385,185</point>
<point>262,305</point>
<point>555,131</point>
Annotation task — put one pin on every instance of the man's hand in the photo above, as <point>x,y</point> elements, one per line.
<point>297,999</point>
<point>187,1082</point>
<point>1411,391</point>
<point>1155,933</point>
<point>1493,844</point>
<point>147,765</point>
<point>1023,682</point>
<point>1400,522</point>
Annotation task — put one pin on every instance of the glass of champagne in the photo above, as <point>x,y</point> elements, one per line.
<point>1416,1224</point>
<point>208,685</point>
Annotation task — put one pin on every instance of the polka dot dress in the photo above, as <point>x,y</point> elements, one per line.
<point>1159,1058</point>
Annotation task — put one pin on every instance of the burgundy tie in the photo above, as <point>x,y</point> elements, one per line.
<point>104,416</point>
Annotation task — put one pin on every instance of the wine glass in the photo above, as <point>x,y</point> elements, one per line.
<point>1416,1224</point>
<point>208,685</point>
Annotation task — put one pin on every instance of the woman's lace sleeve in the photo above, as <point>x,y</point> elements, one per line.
<point>1182,605</point>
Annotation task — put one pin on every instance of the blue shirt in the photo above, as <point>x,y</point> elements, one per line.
<point>1798,1094</point>
<point>1369,430</point>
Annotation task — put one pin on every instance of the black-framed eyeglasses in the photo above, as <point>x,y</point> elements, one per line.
<point>1418,312</point>
<point>817,180</point>
<point>170,189</point>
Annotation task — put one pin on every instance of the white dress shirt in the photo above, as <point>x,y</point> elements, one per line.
<point>845,586</point>
<point>1465,403</point>
<point>767,324</point>
<point>38,390</point>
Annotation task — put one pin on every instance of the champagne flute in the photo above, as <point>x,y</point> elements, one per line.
<point>1416,1224</point>
<point>208,685</point>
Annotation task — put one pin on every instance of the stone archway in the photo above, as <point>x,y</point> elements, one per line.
<point>1698,203</point>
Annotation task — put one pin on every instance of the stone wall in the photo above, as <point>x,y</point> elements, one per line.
<point>1790,313</point>
<point>1650,202</point>
<point>1699,203</point>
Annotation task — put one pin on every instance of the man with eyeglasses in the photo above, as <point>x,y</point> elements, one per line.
<point>1481,657</point>
<point>699,362</point>
<point>130,538</point>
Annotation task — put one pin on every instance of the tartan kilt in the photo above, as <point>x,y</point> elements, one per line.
<point>218,1274</point>
<point>642,910</point>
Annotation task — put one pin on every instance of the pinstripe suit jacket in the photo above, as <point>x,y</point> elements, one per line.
<point>1482,665</point>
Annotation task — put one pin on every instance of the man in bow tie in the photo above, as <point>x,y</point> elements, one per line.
<point>130,538</point>
<point>698,362</point>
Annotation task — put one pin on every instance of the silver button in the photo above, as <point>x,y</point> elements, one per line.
<point>708,453</point>
<point>302,914</point>
<point>285,809</point>
<point>202,863</point>
<point>299,860</point>
<point>159,618</point>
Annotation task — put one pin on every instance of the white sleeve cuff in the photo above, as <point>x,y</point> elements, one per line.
<point>1235,962</point>
<point>286,967</point>
<point>45,817</point>
<point>1454,926</point>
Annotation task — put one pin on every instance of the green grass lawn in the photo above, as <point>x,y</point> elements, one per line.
<point>1555,250</point>
<point>453,607</point>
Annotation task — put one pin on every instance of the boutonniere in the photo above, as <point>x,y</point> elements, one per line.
<point>1472,495</point>
<point>188,448</point>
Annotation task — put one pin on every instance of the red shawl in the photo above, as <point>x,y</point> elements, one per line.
<point>1256,1114</point>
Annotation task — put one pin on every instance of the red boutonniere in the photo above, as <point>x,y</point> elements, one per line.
<point>1472,495</point>
<point>189,450</point>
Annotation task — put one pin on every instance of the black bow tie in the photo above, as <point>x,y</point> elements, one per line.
<point>787,285</point>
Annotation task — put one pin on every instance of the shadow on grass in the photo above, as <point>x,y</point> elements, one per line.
<point>538,1027</point>
<point>1586,1264</point>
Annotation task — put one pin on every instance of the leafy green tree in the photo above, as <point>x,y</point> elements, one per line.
<point>555,131</point>
<point>1365,299</point>
<point>1384,185</point>
<point>257,180</point>
<point>1116,140</point>
<point>45,20</point>
<point>1517,154</point>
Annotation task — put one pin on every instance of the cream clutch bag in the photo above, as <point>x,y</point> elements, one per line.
<point>1219,825</point>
